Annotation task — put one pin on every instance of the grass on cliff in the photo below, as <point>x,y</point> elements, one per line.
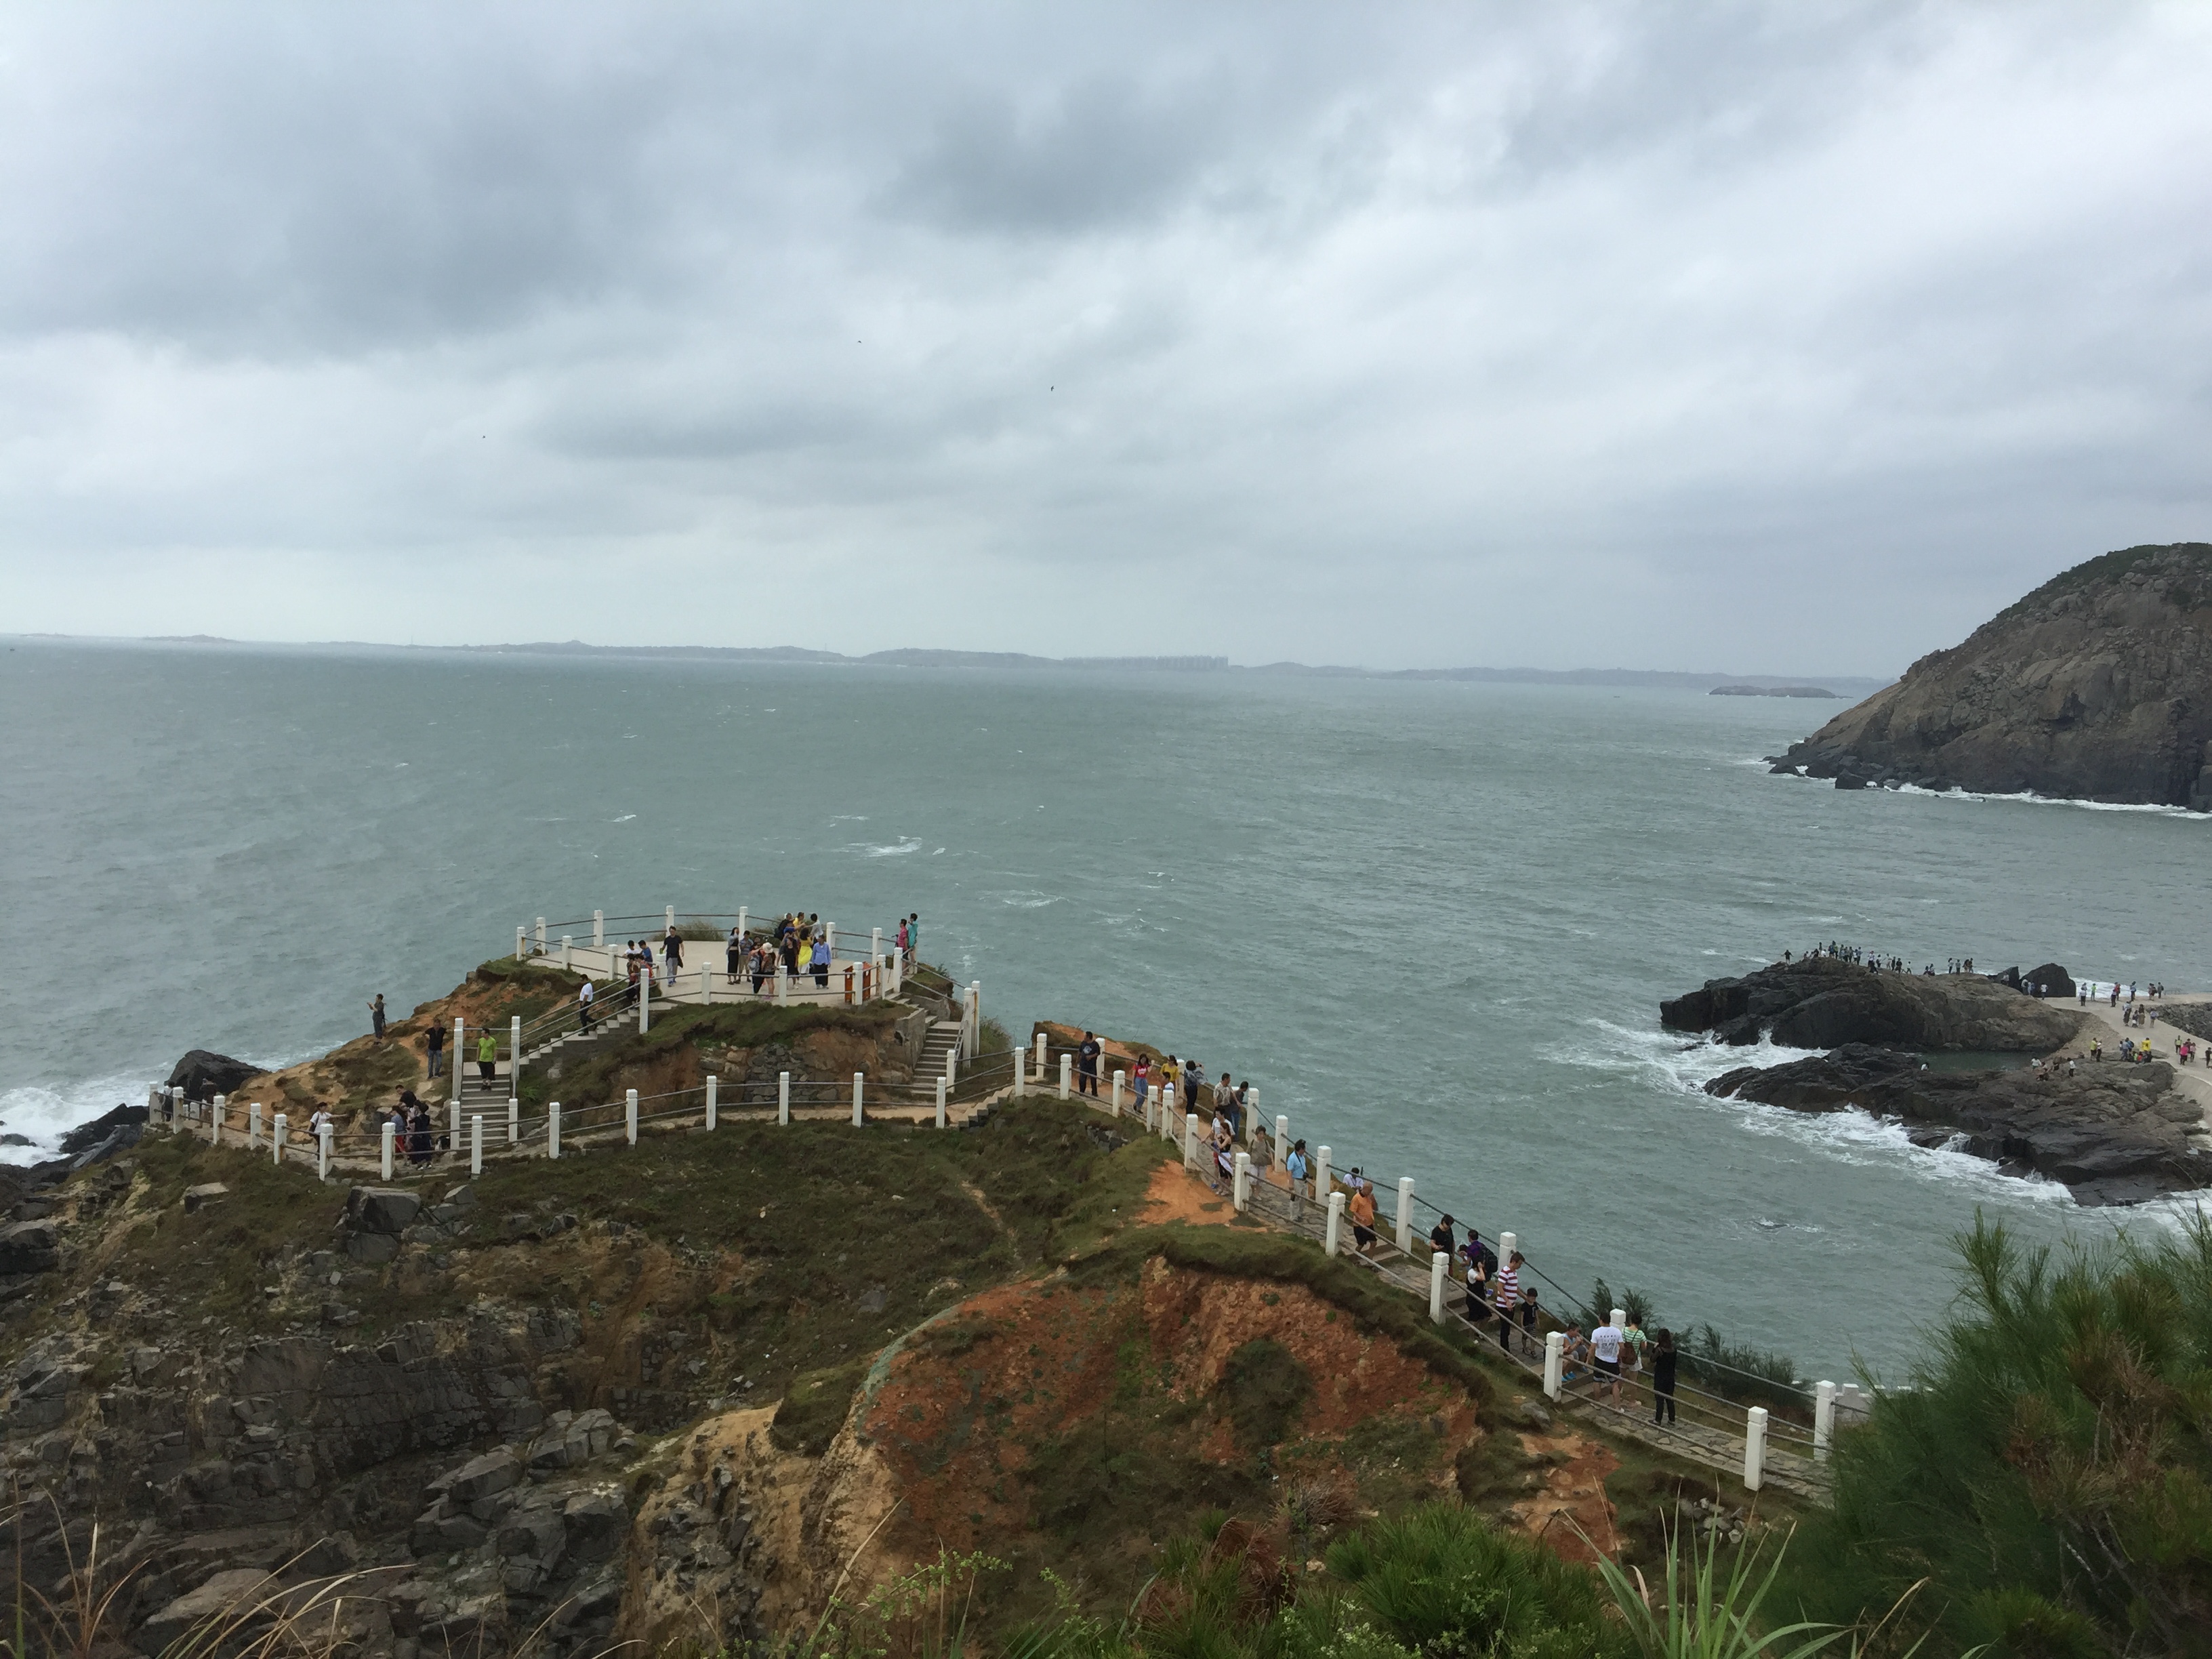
<point>670,1056</point>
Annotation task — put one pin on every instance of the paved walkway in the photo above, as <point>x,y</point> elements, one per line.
<point>2193,1082</point>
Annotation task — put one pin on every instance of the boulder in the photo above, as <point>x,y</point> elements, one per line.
<point>204,1074</point>
<point>89,1135</point>
<point>30,1246</point>
<point>593,1523</point>
<point>198,1198</point>
<point>380,1210</point>
<point>483,1477</point>
<point>2050,981</point>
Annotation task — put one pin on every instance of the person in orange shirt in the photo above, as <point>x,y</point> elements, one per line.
<point>1361,1211</point>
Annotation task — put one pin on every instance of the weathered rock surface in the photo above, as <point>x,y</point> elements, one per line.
<point>202,1074</point>
<point>2114,1133</point>
<point>2097,686</point>
<point>1823,1002</point>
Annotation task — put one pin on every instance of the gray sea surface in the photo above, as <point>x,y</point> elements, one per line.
<point>1433,921</point>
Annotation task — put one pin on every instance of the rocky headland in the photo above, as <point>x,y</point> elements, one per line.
<point>2096,686</point>
<point>678,1394</point>
<point>2114,1133</point>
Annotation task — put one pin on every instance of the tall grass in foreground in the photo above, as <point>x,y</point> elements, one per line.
<point>2050,1475</point>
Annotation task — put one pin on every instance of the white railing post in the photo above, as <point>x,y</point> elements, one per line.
<point>876,947</point>
<point>705,984</point>
<point>1406,1213</point>
<point>1555,1362</point>
<point>568,953</point>
<point>475,1143</point>
<point>1824,1419</point>
<point>520,948</point>
<point>1190,1140</point>
<point>598,930</point>
<point>541,936</point>
<point>713,1083</point>
<point>1066,1066</point>
<point>645,1000</point>
<point>975,1017</point>
<point>1240,1187</point>
<point>276,1139</point>
<point>1282,1140</point>
<point>629,1115</point>
<point>1439,1271</point>
<point>952,1064</point>
<point>453,1127</point>
<point>254,1126</point>
<point>456,1059</point>
<point>1321,1174</point>
<point>322,1152</point>
<point>829,939</point>
<point>1251,1115</point>
<point>1754,1448</point>
<point>783,1096</point>
<point>553,1128</point>
<point>1507,1243</point>
<point>1167,1111</point>
<point>515,1053</point>
<point>513,1121</point>
<point>940,1102</point>
<point>741,924</point>
<point>1040,1055</point>
<point>1121,1080</point>
<point>214,1120</point>
<point>859,1079</point>
<point>1335,1223</point>
<point>782,984</point>
<point>1021,1073</point>
<point>671,914</point>
<point>388,1136</point>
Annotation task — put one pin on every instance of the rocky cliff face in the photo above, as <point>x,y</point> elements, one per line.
<point>2097,686</point>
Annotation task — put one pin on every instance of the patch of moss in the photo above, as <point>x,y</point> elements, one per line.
<point>814,1408</point>
<point>1263,1387</point>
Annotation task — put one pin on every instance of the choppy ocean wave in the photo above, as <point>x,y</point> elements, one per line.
<point>44,1115</point>
<point>1680,1067</point>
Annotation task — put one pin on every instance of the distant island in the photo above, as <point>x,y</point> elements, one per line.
<point>1773,691</point>
<point>2096,686</point>
<point>1743,685</point>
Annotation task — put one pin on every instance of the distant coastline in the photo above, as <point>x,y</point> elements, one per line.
<point>1778,685</point>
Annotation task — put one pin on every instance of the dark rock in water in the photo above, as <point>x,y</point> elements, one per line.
<point>2050,981</point>
<point>2114,1133</point>
<point>204,1074</point>
<point>1822,1002</point>
<point>86,1136</point>
<point>2097,686</point>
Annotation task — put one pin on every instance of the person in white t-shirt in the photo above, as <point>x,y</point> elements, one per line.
<point>1605,1357</point>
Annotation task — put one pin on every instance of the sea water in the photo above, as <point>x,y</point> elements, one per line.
<point>1433,923</point>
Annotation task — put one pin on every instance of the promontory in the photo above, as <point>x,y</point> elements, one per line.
<point>2096,686</point>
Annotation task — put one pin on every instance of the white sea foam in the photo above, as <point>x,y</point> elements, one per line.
<point>2026,798</point>
<point>1849,1137</point>
<point>898,849</point>
<point>45,1115</point>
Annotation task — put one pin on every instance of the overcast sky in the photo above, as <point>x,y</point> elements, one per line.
<point>1759,337</point>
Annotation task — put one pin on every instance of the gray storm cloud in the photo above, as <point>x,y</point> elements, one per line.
<point>1665,336</point>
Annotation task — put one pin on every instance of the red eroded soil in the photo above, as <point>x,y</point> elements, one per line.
<point>1574,1496</point>
<point>963,1405</point>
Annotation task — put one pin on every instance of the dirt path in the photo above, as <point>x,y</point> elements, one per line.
<point>1176,1194</point>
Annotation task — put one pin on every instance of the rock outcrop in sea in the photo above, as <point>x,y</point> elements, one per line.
<point>2114,1133</point>
<point>1823,1002</point>
<point>2096,686</point>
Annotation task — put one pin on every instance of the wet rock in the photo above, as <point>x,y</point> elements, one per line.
<point>2114,1133</point>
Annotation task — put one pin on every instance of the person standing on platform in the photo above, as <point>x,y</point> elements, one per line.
<point>487,1058</point>
<point>376,1015</point>
<point>1086,1067</point>
<point>1297,1169</point>
<point>584,1007</point>
<point>1507,1299</point>
<point>735,956</point>
<point>434,1047</point>
<point>1662,1376</point>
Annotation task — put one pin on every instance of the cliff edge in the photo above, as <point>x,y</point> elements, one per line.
<point>2097,686</point>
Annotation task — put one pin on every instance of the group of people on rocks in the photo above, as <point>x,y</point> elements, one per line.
<point>1858,955</point>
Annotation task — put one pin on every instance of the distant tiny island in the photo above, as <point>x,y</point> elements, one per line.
<point>1774,691</point>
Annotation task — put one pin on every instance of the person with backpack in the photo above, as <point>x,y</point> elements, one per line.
<point>1086,1066</point>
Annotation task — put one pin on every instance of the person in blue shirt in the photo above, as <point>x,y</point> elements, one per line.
<point>1299,1170</point>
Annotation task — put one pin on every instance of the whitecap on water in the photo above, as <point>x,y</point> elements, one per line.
<point>897,849</point>
<point>44,1115</point>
